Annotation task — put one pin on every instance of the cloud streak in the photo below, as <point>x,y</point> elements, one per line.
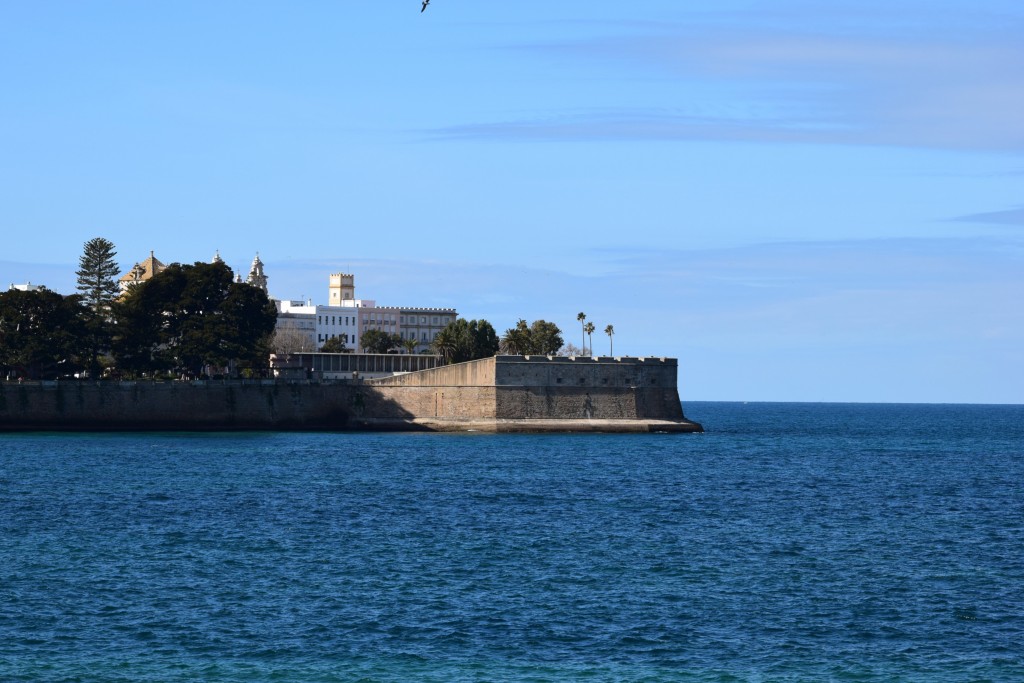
<point>949,88</point>
<point>1008,217</point>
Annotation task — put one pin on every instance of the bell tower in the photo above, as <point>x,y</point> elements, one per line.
<point>257,278</point>
<point>342,288</point>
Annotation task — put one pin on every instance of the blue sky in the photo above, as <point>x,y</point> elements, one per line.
<point>802,201</point>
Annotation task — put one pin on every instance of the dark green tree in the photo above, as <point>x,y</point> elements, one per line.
<point>188,317</point>
<point>97,274</point>
<point>545,338</point>
<point>333,345</point>
<point>377,341</point>
<point>464,340</point>
<point>540,338</point>
<point>248,318</point>
<point>485,339</point>
<point>97,283</point>
<point>42,334</point>
<point>516,340</point>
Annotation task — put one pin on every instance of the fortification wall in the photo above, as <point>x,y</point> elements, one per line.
<point>174,405</point>
<point>580,371</point>
<point>582,403</point>
<point>446,403</point>
<point>544,371</point>
<point>472,374</point>
<point>543,387</point>
<point>494,393</point>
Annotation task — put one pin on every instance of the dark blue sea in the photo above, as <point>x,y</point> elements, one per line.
<point>790,542</point>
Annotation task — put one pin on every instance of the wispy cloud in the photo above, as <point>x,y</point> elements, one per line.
<point>1008,217</point>
<point>954,87</point>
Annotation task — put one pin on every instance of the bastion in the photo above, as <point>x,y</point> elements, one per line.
<point>499,394</point>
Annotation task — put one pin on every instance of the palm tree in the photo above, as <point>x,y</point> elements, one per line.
<point>610,330</point>
<point>516,340</point>
<point>444,345</point>
<point>409,345</point>
<point>581,316</point>
<point>589,329</point>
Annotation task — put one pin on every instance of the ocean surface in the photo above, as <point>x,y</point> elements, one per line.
<point>791,542</point>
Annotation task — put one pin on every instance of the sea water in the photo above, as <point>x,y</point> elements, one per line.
<point>788,542</point>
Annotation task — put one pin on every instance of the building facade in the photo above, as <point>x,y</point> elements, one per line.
<point>338,322</point>
<point>424,324</point>
<point>295,331</point>
<point>347,318</point>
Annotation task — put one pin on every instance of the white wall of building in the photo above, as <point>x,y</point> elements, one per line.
<point>337,322</point>
<point>298,317</point>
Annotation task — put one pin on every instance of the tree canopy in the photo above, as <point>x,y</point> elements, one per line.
<point>96,273</point>
<point>377,341</point>
<point>42,334</point>
<point>540,338</point>
<point>333,345</point>
<point>464,340</point>
<point>188,317</point>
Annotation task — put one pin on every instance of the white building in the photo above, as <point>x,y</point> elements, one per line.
<point>28,287</point>
<point>339,322</point>
<point>346,318</point>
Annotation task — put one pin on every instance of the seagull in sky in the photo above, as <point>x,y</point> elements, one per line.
<point>425,3</point>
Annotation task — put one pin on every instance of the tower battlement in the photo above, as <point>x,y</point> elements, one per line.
<point>342,287</point>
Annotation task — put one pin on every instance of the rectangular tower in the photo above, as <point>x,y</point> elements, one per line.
<point>342,289</point>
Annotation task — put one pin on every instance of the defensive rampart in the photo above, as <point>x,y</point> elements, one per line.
<point>538,393</point>
<point>504,394</point>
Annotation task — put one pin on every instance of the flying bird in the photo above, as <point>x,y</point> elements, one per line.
<point>425,3</point>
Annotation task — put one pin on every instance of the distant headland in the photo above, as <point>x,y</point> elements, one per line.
<point>195,346</point>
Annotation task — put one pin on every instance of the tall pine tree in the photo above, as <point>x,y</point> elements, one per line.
<point>97,272</point>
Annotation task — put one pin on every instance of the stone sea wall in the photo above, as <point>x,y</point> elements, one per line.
<point>494,394</point>
<point>172,405</point>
